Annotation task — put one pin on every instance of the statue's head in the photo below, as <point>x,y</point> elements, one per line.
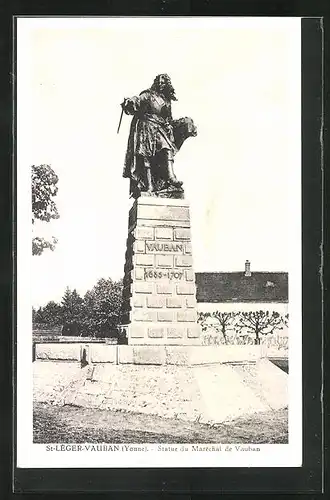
<point>163,85</point>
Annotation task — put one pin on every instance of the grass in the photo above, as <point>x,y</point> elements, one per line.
<point>70,424</point>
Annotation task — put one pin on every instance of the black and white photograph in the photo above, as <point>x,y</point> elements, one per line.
<point>159,242</point>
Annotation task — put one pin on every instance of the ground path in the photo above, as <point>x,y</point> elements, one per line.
<point>69,424</point>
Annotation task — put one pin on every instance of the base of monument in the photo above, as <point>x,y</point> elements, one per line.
<point>168,193</point>
<point>187,355</point>
<point>159,294</point>
<point>146,333</point>
<point>206,394</point>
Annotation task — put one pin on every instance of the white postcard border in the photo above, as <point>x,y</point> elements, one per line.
<point>36,455</point>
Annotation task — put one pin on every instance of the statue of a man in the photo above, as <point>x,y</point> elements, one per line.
<point>154,140</point>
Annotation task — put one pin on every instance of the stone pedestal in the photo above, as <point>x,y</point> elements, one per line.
<point>159,297</point>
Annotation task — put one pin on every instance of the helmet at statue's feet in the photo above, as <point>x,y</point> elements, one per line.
<point>176,183</point>
<point>173,187</point>
<point>173,181</point>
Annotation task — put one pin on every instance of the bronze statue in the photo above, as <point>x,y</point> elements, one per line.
<point>154,140</point>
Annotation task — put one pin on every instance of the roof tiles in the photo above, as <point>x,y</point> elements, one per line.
<point>236,287</point>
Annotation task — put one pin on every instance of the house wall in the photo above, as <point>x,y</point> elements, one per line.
<point>279,307</point>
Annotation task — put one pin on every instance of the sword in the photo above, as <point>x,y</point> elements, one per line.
<point>121,116</point>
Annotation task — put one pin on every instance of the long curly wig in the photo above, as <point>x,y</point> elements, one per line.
<point>168,91</point>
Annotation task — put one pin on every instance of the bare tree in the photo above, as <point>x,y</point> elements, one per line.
<point>259,323</point>
<point>224,322</point>
<point>286,320</point>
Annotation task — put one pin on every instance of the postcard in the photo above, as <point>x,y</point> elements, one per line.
<point>159,242</point>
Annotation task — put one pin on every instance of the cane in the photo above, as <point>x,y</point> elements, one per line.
<point>121,115</point>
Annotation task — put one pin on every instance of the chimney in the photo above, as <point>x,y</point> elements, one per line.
<point>247,268</point>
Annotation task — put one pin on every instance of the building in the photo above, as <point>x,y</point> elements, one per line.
<point>242,291</point>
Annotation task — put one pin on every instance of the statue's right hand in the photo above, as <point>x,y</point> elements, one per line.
<point>128,106</point>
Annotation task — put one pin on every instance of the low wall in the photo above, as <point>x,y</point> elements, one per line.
<point>66,339</point>
<point>148,355</point>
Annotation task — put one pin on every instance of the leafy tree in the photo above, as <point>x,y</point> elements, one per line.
<point>47,317</point>
<point>96,315</point>
<point>102,307</point>
<point>37,318</point>
<point>40,244</point>
<point>44,188</point>
<point>72,312</point>
<point>88,315</point>
<point>259,323</point>
<point>52,313</point>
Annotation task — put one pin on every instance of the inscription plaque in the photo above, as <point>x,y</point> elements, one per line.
<point>161,247</point>
<point>170,274</point>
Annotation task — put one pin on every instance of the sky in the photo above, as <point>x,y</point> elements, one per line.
<point>238,78</point>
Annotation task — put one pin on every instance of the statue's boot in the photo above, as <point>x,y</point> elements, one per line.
<point>171,176</point>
